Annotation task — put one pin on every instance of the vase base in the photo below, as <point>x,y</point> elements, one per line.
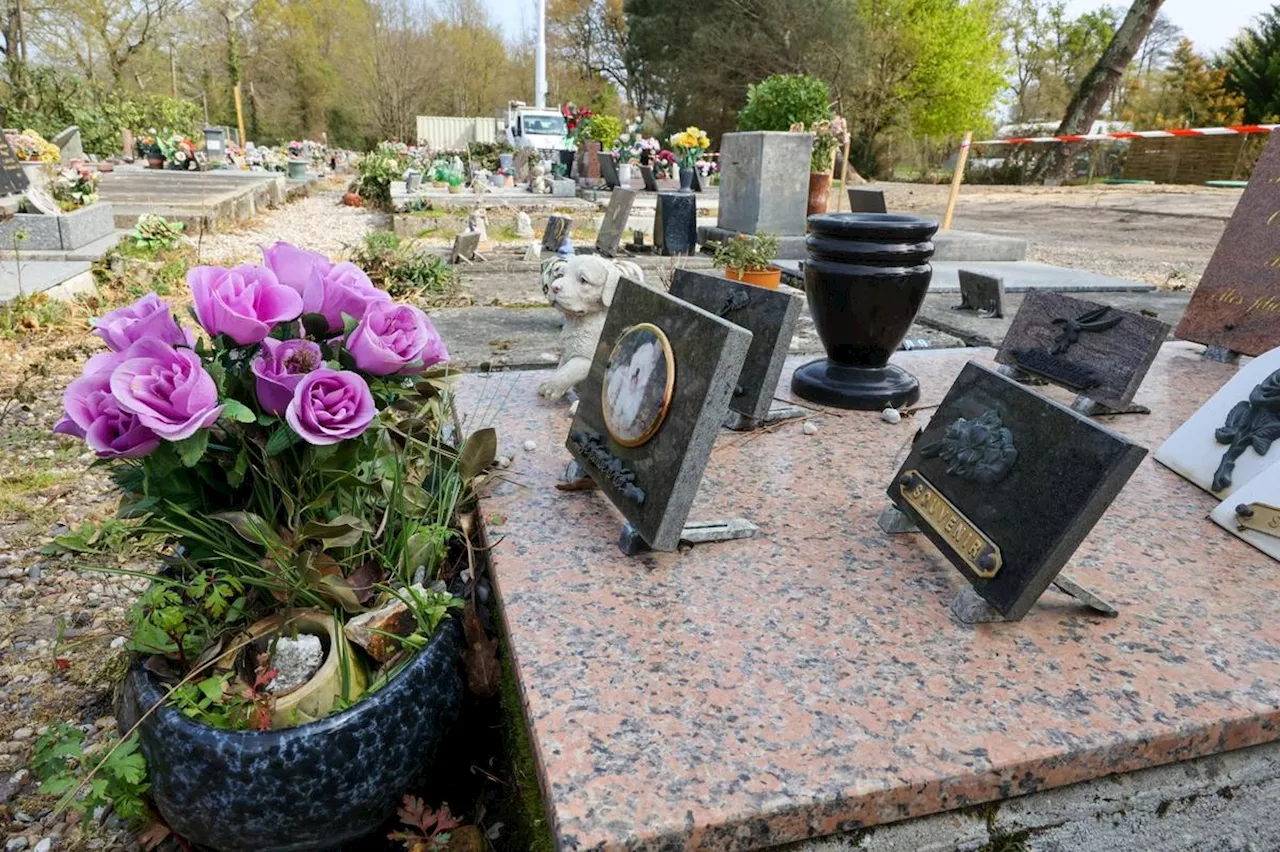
<point>860,388</point>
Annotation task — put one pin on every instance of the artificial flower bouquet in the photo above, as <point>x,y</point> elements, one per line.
<point>689,145</point>
<point>828,136</point>
<point>297,453</point>
<point>30,147</point>
<point>575,120</point>
<point>74,188</point>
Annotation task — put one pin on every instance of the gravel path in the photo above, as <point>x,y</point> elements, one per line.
<point>319,223</point>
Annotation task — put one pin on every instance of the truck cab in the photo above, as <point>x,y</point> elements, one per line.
<point>540,129</point>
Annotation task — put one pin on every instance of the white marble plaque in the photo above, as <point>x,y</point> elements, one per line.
<point>1253,512</point>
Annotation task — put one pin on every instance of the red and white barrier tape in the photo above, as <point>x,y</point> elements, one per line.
<point>1136,134</point>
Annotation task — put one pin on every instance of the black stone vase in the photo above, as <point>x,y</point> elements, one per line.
<point>866,277</point>
<point>312,787</point>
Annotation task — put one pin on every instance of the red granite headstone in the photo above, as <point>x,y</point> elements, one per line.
<point>1237,305</point>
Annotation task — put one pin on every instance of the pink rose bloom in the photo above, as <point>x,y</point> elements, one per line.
<point>278,368</point>
<point>329,406</point>
<point>395,339</point>
<point>295,267</point>
<point>344,289</point>
<point>244,302</point>
<point>93,415</point>
<point>168,389</point>
<point>148,317</point>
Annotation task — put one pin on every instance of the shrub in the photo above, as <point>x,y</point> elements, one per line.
<point>399,270</point>
<point>375,172</point>
<point>604,129</point>
<point>484,155</point>
<point>777,102</point>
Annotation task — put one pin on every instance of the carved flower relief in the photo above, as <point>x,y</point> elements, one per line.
<point>979,450</point>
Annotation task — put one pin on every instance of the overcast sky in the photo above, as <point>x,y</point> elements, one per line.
<point>1209,23</point>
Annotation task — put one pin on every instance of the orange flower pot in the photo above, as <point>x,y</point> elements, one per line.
<point>768,278</point>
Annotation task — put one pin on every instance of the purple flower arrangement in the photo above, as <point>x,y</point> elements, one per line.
<point>297,338</point>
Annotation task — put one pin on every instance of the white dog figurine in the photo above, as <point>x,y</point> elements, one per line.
<point>582,289</point>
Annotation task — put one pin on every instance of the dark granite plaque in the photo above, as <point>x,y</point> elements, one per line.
<point>1090,348</point>
<point>614,225</point>
<point>654,482</point>
<point>675,223</point>
<point>12,179</point>
<point>983,293</point>
<point>650,182</point>
<point>1237,304</point>
<point>558,227</point>
<point>1008,483</point>
<point>770,316</point>
<point>609,171</point>
<point>863,200</point>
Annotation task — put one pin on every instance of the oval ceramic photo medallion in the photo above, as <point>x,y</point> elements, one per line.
<point>637,385</point>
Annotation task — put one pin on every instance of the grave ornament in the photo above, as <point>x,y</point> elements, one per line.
<point>1007,483</point>
<point>1253,512</point>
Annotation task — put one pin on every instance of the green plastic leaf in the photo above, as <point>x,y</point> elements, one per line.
<point>237,411</point>
<point>349,323</point>
<point>478,452</point>
<point>281,440</point>
<point>235,476</point>
<point>191,450</point>
<point>342,531</point>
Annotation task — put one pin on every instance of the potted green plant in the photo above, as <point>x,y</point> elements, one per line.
<point>598,134</point>
<point>828,136</point>
<point>749,259</point>
<point>298,456</point>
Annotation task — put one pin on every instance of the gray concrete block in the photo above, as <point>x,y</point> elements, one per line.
<point>764,182</point>
<point>563,188</point>
<point>86,225</point>
<point>60,279</point>
<point>42,233</point>
<point>973,246</point>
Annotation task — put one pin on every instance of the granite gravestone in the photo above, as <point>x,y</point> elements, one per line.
<point>1228,441</point>
<point>981,293</point>
<point>1237,303</point>
<point>1253,512</point>
<point>609,171</point>
<point>675,223</point>
<point>770,316</point>
<point>614,224</point>
<point>464,247</point>
<point>12,179</point>
<point>648,414</point>
<point>558,228</point>
<point>764,182</point>
<point>864,200</point>
<point>1008,483</point>
<point>650,182</point>
<point>1095,350</point>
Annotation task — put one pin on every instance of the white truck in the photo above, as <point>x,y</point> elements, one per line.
<point>542,129</point>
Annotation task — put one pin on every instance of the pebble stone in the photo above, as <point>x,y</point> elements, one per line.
<point>810,428</point>
<point>43,846</point>
<point>530,446</point>
<point>890,415</point>
<point>16,844</point>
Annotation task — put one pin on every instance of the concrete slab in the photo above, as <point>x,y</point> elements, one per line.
<point>207,200</point>
<point>59,279</point>
<point>973,246</point>
<point>978,331</point>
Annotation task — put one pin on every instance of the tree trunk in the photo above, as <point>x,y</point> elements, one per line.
<point>1099,84</point>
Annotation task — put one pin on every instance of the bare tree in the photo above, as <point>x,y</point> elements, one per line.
<point>107,33</point>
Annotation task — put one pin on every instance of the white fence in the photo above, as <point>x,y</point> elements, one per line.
<point>453,132</point>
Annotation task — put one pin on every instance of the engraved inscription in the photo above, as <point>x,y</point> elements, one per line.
<point>972,545</point>
<point>593,449</point>
<point>1258,517</point>
<point>1056,368</point>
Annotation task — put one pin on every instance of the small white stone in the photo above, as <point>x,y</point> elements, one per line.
<point>119,642</point>
<point>890,415</point>
<point>502,461</point>
<point>295,661</point>
<point>43,846</point>
<point>530,446</point>
<point>810,428</point>
<point>16,844</point>
<point>22,734</point>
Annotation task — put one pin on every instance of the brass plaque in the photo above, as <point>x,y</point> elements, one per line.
<point>1258,517</point>
<point>970,543</point>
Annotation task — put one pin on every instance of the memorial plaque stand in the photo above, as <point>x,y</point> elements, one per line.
<point>1221,354</point>
<point>968,606</point>
<point>740,422</point>
<point>1092,408</point>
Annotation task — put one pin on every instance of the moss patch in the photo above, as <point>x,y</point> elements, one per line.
<point>531,830</point>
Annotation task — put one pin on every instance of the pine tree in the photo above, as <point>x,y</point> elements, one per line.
<point>1253,69</point>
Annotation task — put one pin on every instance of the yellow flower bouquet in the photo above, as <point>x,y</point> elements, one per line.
<point>689,145</point>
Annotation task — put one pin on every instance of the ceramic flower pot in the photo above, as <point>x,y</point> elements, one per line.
<point>819,192</point>
<point>155,161</point>
<point>686,178</point>
<point>37,174</point>
<point>768,278</point>
<point>866,277</point>
<point>298,169</point>
<point>624,174</point>
<point>312,787</point>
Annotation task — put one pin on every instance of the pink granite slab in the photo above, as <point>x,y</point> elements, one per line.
<point>811,680</point>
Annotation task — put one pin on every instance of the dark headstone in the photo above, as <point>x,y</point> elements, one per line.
<point>653,482</point>
<point>464,246</point>
<point>675,223</point>
<point>978,292</point>
<point>609,171</point>
<point>614,224</point>
<point>558,227</point>
<point>1010,515</point>
<point>650,182</point>
<point>12,179</point>
<point>697,181</point>
<point>864,200</point>
<point>1236,306</point>
<point>770,316</point>
<point>588,163</point>
<point>1090,348</point>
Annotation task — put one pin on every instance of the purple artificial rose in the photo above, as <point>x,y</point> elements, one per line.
<point>295,267</point>
<point>148,317</point>
<point>168,389</point>
<point>244,302</point>
<point>395,339</point>
<point>344,289</point>
<point>94,415</point>
<point>329,406</point>
<point>278,368</point>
